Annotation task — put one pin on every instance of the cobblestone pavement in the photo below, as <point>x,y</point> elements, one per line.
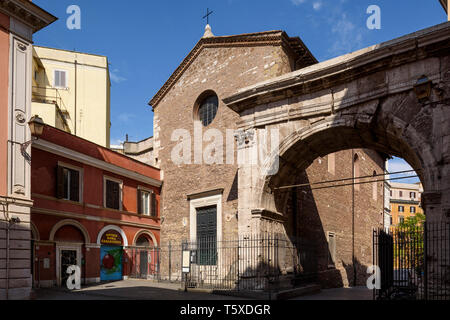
<point>127,290</point>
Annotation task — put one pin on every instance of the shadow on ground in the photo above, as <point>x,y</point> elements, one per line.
<point>127,290</point>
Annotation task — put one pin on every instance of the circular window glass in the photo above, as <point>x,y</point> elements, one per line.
<point>208,110</point>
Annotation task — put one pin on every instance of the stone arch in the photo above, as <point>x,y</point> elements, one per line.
<point>387,134</point>
<point>148,233</point>
<point>73,223</point>
<point>115,228</point>
<point>34,232</point>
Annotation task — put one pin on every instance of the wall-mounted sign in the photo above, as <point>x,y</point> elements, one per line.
<point>112,237</point>
<point>186,267</point>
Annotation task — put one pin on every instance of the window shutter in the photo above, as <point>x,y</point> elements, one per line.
<point>206,235</point>
<point>62,81</point>
<point>116,195</point>
<point>74,185</point>
<point>110,194</point>
<point>139,201</point>
<point>59,182</point>
<point>153,212</point>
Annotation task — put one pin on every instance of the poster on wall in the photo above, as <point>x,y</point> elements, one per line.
<point>111,256</point>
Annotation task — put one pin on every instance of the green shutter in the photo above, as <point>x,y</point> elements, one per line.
<point>153,211</point>
<point>59,182</point>
<point>207,235</point>
<point>74,185</point>
<point>139,201</point>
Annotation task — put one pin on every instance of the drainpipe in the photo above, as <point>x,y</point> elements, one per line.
<point>76,71</point>
<point>353,217</point>
<point>7,261</point>
<point>8,227</point>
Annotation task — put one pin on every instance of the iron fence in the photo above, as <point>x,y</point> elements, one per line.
<point>266,262</point>
<point>413,262</point>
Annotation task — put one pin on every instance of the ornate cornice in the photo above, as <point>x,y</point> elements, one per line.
<point>268,38</point>
<point>433,41</point>
<point>28,13</point>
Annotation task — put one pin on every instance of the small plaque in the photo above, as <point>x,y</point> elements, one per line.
<point>46,263</point>
<point>186,262</point>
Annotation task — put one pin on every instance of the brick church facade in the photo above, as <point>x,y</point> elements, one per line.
<point>217,67</point>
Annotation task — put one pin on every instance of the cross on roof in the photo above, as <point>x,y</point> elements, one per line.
<point>208,13</point>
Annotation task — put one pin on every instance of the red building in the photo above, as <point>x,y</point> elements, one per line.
<point>92,207</point>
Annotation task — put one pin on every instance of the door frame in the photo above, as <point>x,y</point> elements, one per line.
<point>66,246</point>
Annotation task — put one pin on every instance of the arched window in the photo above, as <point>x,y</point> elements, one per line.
<point>207,109</point>
<point>375,187</point>
<point>144,241</point>
<point>356,172</point>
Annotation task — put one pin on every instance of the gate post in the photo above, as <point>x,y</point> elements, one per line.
<point>425,257</point>
<point>170,260</point>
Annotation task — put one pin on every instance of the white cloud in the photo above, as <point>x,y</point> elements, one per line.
<point>348,36</point>
<point>298,2</point>
<point>317,5</point>
<point>115,77</point>
<point>125,117</point>
<point>116,143</point>
<point>398,165</point>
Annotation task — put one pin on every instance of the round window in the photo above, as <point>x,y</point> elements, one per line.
<point>207,110</point>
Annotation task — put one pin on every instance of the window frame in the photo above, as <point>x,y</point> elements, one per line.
<point>201,100</point>
<point>209,247</point>
<point>151,213</point>
<point>120,182</point>
<point>80,180</point>
<point>332,255</point>
<point>66,78</point>
<point>401,209</point>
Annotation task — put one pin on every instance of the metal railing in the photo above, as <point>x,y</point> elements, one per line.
<point>40,95</point>
<point>414,262</point>
<point>264,262</point>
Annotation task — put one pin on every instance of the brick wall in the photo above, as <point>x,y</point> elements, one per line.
<point>320,212</point>
<point>223,70</point>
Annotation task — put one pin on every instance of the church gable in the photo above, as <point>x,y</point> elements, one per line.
<point>294,55</point>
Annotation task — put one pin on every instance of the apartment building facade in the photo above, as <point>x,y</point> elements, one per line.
<point>92,206</point>
<point>19,20</point>
<point>405,201</point>
<point>71,92</point>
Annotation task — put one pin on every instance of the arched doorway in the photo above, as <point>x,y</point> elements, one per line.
<point>69,237</point>
<point>112,240</point>
<point>145,255</point>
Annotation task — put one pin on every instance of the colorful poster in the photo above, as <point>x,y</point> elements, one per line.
<point>111,263</point>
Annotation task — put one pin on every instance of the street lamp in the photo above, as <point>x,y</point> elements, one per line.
<point>36,125</point>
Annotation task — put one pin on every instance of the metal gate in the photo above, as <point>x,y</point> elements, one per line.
<point>414,262</point>
<point>265,262</point>
<point>144,262</point>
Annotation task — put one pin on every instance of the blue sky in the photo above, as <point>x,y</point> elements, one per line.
<point>146,40</point>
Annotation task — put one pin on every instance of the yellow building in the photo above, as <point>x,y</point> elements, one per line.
<point>71,91</point>
<point>405,201</point>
